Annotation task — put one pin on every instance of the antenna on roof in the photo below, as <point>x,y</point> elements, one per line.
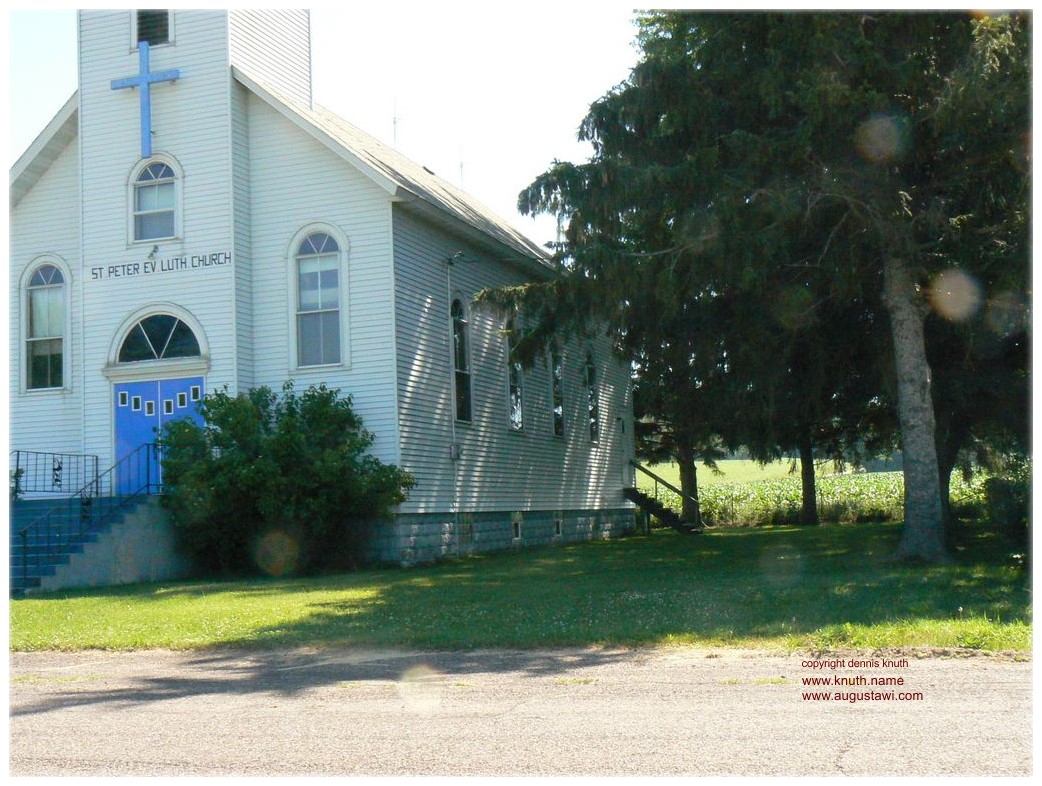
<point>394,123</point>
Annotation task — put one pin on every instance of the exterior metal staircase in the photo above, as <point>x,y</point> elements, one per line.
<point>44,533</point>
<point>653,505</point>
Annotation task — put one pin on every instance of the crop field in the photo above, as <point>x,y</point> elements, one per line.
<point>773,495</point>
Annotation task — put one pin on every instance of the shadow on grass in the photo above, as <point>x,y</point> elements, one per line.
<point>570,607</point>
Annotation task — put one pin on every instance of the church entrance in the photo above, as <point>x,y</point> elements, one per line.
<point>141,411</point>
<point>151,393</point>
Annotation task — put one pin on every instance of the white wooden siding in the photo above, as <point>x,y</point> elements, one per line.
<point>296,181</point>
<point>498,470</point>
<point>46,221</point>
<point>274,45</point>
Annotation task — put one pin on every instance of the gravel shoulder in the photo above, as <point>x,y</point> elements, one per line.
<point>570,712</point>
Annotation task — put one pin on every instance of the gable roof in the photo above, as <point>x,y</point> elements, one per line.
<point>403,178</point>
<point>37,159</point>
<point>406,181</point>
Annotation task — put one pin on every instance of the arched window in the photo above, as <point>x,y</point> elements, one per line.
<point>45,334</point>
<point>514,380</point>
<point>155,202</point>
<point>159,337</point>
<point>460,361</point>
<point>592,404</point>
<point>318,300</point>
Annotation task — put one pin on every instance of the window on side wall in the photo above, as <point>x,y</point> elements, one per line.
<point>45,328</point>
<point>461,360</point>
<point>592,398</point>
<point>317,268</point>
<point>557,389</point>
<point>515,381</point>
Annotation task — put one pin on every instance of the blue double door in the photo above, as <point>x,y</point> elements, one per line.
<point>141,411</point>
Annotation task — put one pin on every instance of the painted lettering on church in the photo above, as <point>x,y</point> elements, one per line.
<point>153,266</point>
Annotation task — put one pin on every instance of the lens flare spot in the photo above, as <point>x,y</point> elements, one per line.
<point>277,553</point>
<point>793,308</point>
<point>956,295</point>
<point>1006,314</point>
<point>420,689</point>
<point>880,139</point>
<point>781,566</point>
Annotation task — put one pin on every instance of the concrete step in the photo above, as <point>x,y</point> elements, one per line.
<point>52,542</point>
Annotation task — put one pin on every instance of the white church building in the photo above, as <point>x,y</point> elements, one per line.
<point>191,221</point>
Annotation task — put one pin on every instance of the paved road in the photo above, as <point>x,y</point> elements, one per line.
<point>566,712</point>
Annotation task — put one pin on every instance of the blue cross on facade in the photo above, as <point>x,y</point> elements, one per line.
<point>144,80</point>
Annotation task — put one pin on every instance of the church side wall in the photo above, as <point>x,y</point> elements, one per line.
<point>498,469</point>
<point>46,223</point>
<point>296,183</point>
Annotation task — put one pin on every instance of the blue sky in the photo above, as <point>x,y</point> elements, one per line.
<point>485,95</point>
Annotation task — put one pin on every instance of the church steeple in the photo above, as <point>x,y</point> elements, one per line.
<point>274,46</point>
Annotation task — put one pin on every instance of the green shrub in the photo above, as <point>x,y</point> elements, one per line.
<point>278,484</point>
<point>15,488</point>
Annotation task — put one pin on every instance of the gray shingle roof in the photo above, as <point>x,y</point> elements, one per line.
<point>399,175</point>
<point>404,177</point>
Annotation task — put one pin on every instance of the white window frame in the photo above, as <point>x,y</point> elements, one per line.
<point>293,282</point>
<point>66,337</point>
<point>132,185</point>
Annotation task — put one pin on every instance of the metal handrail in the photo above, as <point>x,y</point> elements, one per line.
<point>51,473</point>
<point>661,481</point>
<point>69,521</point>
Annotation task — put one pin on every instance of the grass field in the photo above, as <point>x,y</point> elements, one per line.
<point>826,587</point>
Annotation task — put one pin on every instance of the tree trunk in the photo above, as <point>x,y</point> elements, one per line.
<point>951,437</point>
<point>923,534</point>
<point>688,484</point>
<point>809,511</point>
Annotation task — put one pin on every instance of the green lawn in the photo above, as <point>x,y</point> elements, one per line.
<point>783,587</point>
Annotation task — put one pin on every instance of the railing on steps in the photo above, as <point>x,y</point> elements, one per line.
<point>697,523</point>
<point>33,472</point>
<point>71,521</point>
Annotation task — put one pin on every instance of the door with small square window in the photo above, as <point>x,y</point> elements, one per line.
<point>141,411</point>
